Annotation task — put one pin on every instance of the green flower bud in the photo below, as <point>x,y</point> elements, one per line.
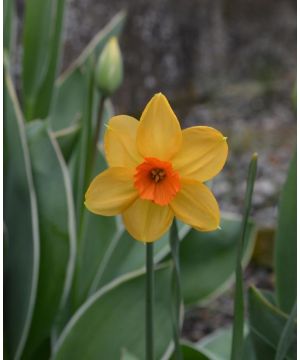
<point>109,69</point>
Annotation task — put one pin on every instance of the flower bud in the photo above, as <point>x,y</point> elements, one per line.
<point>109,69</point>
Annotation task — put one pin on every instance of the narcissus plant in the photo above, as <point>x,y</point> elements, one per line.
<point>157,171</point>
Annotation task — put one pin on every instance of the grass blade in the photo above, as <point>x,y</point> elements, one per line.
<point>238,323</point>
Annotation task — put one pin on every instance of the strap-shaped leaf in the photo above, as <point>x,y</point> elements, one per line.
<point>190,352</point>
<point>8,18</point>
<point>286,242</point>
<point>113,319</point>
<point>266,325</point>
<point>57,235</point>
<point>41,44</point>
<point>67,139</point>
<point>21,218</point>
<point>286,338</point>
<point>217,346</point>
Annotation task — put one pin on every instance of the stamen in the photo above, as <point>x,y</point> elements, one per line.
<point>158,174</point>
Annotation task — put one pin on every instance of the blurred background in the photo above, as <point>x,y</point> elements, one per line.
<point>229,64</point>
<point>224,63</point>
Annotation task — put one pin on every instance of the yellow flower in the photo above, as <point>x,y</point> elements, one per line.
<point>156,171</point>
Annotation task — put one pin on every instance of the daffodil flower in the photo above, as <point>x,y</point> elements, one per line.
<point>157,171</point>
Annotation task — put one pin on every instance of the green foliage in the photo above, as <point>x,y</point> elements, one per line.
<point>190,352</point>
<point>112,319</point>
<point>8,18</point>
<point>272,317</point>
<point>217,346</point>
<point>286,337</point>
<point>21,219</point>
<point>41,44</point>
<point>266,325</point>
<point>238,321</point>
<point>286,242</point>
<point>57,234</point>
<point>207,259</point>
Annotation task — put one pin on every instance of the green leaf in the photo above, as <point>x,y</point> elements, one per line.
<point>113,319</point>
<point>238,321</point>
<point>82,154</point>
<point>217,346</point>
<point>45,93</point>
<point>190,352</point>
<point>96,239</point>
<point>126,355</point>
<point>67,139</point>
<point>126,255</point>
<point>8,18</point>
<point>41,44</point>
<point>21,218</point>
<point>70,88</point>
<point>68,101</point>
<point>57,233</point>
<point>286,242</point>
<point>266,325</point>
<point>287,335</point>
<point>207,259</point>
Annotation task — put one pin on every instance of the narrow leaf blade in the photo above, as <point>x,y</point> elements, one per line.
<point>286,242</point>
<point>238,321</point>
<point>21,218</point>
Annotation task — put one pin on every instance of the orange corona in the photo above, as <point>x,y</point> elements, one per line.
<point>157,181</point>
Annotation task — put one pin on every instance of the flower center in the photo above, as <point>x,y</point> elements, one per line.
<point>158,174</point>
<point>157,181</point>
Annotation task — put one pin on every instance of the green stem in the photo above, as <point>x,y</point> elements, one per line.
<point>97,130</point>
<point>176,289</point>
<point>238,321</point>
<point>149,301</point>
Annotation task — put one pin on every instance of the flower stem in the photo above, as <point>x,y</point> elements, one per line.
<point>97,130</point>
<point>149,301</point>
<point>176,290</point>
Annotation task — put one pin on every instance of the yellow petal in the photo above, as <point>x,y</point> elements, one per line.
<point>203,153</point>
<point>195,205</point>
<point>111,192</point>
<point>120,142</point>
<point>159,133</point>
<point>146,221</point>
